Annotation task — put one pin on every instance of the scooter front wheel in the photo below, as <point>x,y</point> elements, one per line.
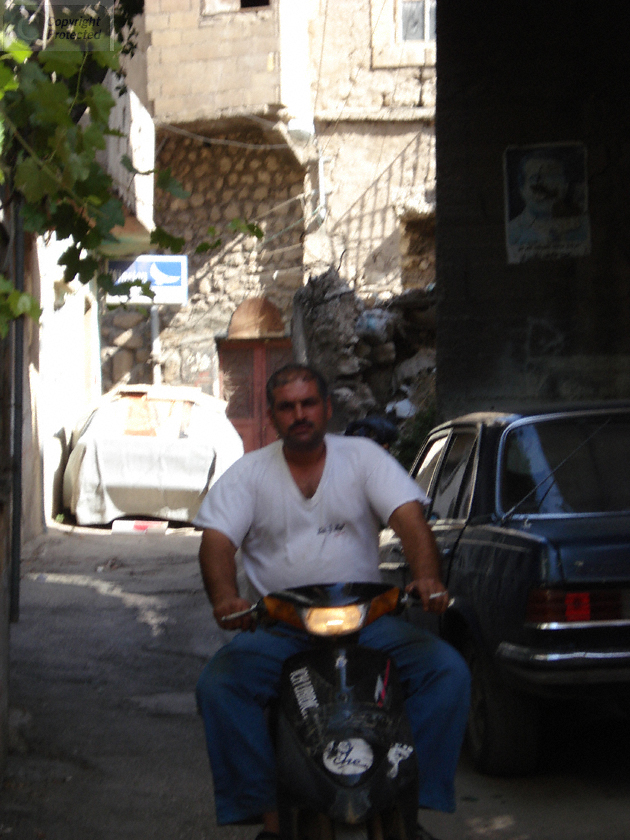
<point>311,825</point>
<point>389,825</point>
<point>343,831</point>
<point>302,824</point>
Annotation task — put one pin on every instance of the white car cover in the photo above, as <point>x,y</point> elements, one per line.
<point>149,451</point>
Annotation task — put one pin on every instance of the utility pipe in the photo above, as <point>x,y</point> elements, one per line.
<point>17,418</point>
<point>156,347</point>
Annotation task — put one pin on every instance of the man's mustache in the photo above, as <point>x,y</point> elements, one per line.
<point>300,424</point>
<point>544,192</point>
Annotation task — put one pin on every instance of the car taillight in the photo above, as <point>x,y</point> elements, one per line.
<point>546,606</point>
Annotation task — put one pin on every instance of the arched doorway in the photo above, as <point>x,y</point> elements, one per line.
<point>255,346</point>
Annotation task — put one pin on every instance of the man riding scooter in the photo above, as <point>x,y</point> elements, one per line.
<point>304,510</point>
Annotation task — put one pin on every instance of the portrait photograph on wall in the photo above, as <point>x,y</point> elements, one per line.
<point>546,203</point>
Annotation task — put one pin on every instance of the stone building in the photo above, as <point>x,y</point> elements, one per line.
<point>315,121</point>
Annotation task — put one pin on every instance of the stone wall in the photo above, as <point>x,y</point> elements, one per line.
<point>232,176</point>
<point>200,62</point>
<point>381,176</point>
<point>378,232</point>
<point>373,101</point>
<point>358,197</point>
<point>344,74</point>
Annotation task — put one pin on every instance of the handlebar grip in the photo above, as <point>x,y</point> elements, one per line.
<point>240,614</point>
<point>414,597</point>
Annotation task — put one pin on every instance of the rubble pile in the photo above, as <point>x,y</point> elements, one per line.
<point>378,359</point>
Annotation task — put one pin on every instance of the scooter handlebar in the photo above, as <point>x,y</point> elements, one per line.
<point>241,614</point>
<point>409,599</point>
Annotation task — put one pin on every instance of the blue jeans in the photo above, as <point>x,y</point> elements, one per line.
<point>243,677</point>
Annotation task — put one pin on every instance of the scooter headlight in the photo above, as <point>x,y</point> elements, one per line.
<point>334,621</point>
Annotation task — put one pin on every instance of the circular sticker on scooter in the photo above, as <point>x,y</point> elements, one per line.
<point>348,757</point>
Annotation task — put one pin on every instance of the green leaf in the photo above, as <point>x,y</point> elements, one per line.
<point>126,162</point>
<point>26,305</point>
<point>88,267</point>
<point>110,214</point>
<point>85,268</point>
<point>145,288</point>
<point>62,141</point>
<point>68,222</point>
<point>122,289</point>
<point>13,304</point>
<point>63,58</point>
<point>18,51</point>
<point>105,282</point>
<point>77,168</point>
<point>93,138</point>
<point>7,80</point>
<point>165,181</point>
<point>110,57</point>
<point>203,247</point>
<point>100,102</point>
<point>96,188</point>
<point>51,101</point>
<point>31,75</point>
<point>166,240</point>
<point>251,228</point>
<point>71,258</point>
<point>35,221</point>
<point>33,181</point>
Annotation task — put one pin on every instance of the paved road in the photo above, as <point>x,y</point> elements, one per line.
<point>113,632</point>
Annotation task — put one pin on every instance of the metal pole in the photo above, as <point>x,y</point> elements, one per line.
<point>18,419</point>
<point>155,345</point>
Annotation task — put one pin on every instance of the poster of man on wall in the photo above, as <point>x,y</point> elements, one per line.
<point>546,209</point>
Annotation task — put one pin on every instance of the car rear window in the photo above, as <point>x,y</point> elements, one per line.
<point>567,465</point>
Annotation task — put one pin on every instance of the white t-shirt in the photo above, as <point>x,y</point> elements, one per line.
<point>288,540</point>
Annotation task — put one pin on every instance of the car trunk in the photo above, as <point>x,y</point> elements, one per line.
<point>591,550</point>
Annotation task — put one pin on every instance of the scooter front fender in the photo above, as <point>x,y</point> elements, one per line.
<point>343,741</point>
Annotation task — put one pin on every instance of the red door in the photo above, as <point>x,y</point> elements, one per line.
<point>245,366</point>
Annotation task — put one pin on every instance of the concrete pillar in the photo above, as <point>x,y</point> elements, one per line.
<point>295,88</point>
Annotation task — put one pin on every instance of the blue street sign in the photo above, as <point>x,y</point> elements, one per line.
<point>168,277</point>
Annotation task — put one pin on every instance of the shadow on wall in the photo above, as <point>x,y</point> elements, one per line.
<point>369,230</point>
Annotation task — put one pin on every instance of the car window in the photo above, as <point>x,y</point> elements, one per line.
<point>452,473</point>
<point>429,462</point>
<point>465,495</point>
<point>567,465</point>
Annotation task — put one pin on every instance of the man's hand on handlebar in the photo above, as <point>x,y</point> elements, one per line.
<point>432,593</point>
<point>228,606</point>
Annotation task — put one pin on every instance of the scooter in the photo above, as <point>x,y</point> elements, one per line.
<point>345,757</point>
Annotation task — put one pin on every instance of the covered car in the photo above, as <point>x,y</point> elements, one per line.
<point>531,514</point>
<point>148,451</point>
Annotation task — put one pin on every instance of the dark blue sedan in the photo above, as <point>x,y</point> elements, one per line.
<point>532,517</point>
